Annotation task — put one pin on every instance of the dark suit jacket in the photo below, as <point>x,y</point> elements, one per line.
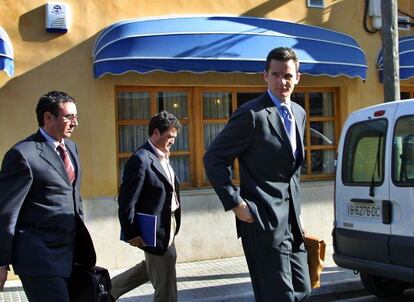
<point>269,173</point>
<point>145,188</point>
<point>41,211</point>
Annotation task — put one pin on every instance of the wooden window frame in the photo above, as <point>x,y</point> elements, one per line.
<point>201,182</point>
<point>153,90</point>
<point>308,146</point>
<point>409,90</point>
<point>196,122</point>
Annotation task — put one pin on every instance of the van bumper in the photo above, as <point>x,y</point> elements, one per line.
<point>375,268</point>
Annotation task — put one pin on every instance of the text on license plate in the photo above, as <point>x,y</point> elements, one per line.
<point>364,210</point>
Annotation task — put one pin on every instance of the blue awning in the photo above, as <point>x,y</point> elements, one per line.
<point>406,55</point>
<point>222,44</point>
<point>6,53</point>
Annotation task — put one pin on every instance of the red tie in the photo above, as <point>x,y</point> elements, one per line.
<point>66,161</point>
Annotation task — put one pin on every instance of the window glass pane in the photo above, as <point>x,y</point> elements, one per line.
<point>181,142</point>
<point>243,97</point>
<point>181,166</point>
<point>299,98</point>
<point>173,102</point>
<point>131,137</point>
<point>403,152</point>
<point>405,95</point>
<point>210,132</point>
<point>322,133</point>
<point>216,105</point>
<point>321,104</point>
<point>323,161</point>
<point>363,154</point>
<point>134,105</point>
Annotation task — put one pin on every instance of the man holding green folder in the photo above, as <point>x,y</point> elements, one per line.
<point>151,188</point>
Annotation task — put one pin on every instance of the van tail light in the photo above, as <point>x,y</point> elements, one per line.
<point>379,113</point>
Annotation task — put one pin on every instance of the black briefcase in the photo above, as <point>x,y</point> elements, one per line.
<point>90,284</point>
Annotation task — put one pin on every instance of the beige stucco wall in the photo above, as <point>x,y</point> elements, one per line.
<point>46,61</point>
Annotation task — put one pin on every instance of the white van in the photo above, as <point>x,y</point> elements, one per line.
<point>374,197</point>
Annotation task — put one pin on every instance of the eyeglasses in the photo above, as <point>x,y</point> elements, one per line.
<point>70,117</point>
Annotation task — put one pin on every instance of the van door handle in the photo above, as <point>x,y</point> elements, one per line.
<point>361,200</point>
<point>386,211</point>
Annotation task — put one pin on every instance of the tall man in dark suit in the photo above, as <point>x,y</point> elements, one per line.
<point>41,229</point>
<point>266,136</point>
<point>149,185</point>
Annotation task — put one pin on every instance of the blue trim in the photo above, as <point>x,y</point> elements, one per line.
<point>7,65</point>
<point>406,58</point>
<point>6,53</point>
<point>56,30</point>
<point>221,44</point>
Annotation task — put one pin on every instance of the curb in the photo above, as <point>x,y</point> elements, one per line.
<point>336,287</point>
<point>333,287</point>
<point>248,296</point>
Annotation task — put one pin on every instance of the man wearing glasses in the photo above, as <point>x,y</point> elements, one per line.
<point>41,228</point>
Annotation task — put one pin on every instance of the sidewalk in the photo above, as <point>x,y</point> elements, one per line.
<point>224,279</point>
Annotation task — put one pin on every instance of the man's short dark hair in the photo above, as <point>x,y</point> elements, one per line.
<point>282,54</point>
<point>50,102</point>
<point>163,121</point>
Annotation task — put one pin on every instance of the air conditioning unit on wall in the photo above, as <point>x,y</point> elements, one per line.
<point>57,17</point>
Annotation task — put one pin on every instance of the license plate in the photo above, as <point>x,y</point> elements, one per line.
<point>372,211</point>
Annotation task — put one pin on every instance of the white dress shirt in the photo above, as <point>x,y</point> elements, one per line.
<point>165,163</point>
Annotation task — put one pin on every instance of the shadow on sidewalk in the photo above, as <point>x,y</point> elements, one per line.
<point>212,277</point>
<point>224,292</point>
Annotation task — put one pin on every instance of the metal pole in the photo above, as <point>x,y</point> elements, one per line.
<point>389,34</point>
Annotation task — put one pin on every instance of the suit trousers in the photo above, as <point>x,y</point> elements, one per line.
<point>45,289</point>
<point>160,270</point>
<point>278,274</point>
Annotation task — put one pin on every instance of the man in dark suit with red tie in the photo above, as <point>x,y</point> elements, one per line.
<point>42,233</point>
<point>266,136</point>
<point>150,186</point>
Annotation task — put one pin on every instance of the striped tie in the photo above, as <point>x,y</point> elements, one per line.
<point>66,161</point>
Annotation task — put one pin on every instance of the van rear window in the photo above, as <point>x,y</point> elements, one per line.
<point>363,154</point>
<point>403,152</point>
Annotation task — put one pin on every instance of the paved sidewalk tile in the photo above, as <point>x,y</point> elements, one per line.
<point>203,281</point>
<point>13,292</point>
<point>224,279</point>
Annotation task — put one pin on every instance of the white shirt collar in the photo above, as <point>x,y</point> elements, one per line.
<point>161,155</point>
<point>277,102</point>
<point>50,140</point>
